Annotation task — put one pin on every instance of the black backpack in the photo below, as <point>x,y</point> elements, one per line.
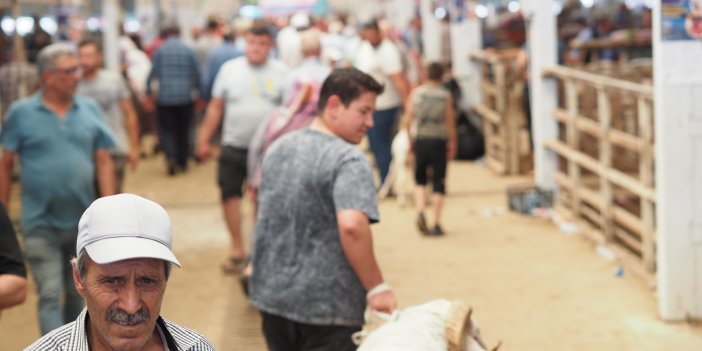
<point>470,144</point>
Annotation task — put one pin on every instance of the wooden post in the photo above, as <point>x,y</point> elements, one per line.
<point>646,177</point>
<point>501,108</point>
<point>573,141</point>
<point>604,114</point>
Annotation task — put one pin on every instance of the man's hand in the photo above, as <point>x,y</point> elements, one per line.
<point>204,151</point>
<point>149,103</point>
<point>451,149</point>
<point>133,159</point>
<point>383,302</point>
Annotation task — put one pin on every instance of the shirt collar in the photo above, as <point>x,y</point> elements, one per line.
<point>39,98</point>
<point>79,334</point>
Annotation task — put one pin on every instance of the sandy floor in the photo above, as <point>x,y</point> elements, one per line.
<point>530,285</point>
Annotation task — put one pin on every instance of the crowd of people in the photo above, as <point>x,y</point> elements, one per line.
<point>256,94</point>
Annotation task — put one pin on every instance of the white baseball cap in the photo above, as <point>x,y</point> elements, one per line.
<point>125,226</point>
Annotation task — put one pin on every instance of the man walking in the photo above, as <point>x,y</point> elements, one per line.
<point>245,91</point>
<point>314,270</point>
<point>111,92</point>
<point>176,69</point>
<point>63,145</point>
<point>381,58</point>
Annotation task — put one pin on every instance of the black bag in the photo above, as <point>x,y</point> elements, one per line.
<point>470,143</point>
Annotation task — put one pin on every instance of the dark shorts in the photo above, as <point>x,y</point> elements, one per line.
<point>232,171</point>
<point>431,154</point>
<point>282,334</point>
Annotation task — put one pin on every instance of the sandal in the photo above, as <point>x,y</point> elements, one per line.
<point>234,265</point>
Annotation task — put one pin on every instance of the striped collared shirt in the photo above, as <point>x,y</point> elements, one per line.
<point>73,337</point>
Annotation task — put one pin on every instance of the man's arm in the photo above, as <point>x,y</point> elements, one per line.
<point>105,172</point>
<point>399,80</point>
<point>357,243</point>
<point>132,125</point>
<point>213,117</point>
<point>13,290</point>
<point>6,165</point>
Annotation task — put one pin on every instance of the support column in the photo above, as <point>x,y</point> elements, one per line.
<point>466,39</point>
<point>541,31</point>
<point>431,32</point>
<point>112,12</point>
<point>678,162</point>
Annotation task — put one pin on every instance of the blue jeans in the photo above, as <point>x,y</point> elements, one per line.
<point>49,252</point>
<point>380,138</point>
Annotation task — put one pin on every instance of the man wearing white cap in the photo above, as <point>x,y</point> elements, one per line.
<point>123,264</point>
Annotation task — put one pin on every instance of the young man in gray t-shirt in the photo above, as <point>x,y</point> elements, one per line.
<point>112,94</point>
<point>314,270</point>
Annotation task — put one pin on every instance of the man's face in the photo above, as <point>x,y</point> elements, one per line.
<point>63,78</point>
<point>123,300</point>
<point>89,57</point>
<point>257,48</point>
<point>372,35</point>
<point>351,123</point>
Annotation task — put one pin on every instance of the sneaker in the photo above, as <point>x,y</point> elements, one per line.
<point>422,224</point>
<point>437,231</point>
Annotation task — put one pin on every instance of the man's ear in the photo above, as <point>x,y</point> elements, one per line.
<point>333,105</point>
<point>80,285</point>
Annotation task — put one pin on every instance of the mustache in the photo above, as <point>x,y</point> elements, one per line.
<point>119,315</point>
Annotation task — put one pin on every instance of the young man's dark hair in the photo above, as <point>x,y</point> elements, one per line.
<point>261,30</point>
<point>229,36</point>
<point>435,71</point>
<point>90,41</point>
<point>348,84</point>
<point>212,24</point>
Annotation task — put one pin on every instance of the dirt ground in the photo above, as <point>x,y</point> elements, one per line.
<point>530,285</point>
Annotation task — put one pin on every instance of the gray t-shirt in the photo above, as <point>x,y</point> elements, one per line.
<point>250,93</point>
<point>300,270</point>
<point>109,89</point>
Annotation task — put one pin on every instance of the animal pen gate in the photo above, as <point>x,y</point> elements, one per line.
<point>606,158</point>
<point>507,144</point>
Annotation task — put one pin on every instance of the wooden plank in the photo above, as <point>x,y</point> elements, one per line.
<point>626,140</point>
<point>588,126</point>
<point>646,177</point>
<point>592,198</point>
<point>495,165</point>
<point>488,114</point>
<point>604,114</point>
<point>628,220</point>
<point>618,178</point>
<point>560,115</point>
<point>563,180</point>
<point>572,139</point>
<point>626,237</point>
<point>592,215</point>
<point>565,73</point>
<point>489,89</point>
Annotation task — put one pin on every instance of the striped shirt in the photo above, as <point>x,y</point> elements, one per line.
<point>73,337</point>
<point>176,68</point>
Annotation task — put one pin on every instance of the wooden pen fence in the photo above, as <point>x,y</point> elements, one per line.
<point>507,146</point>
<point>606,158</point>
